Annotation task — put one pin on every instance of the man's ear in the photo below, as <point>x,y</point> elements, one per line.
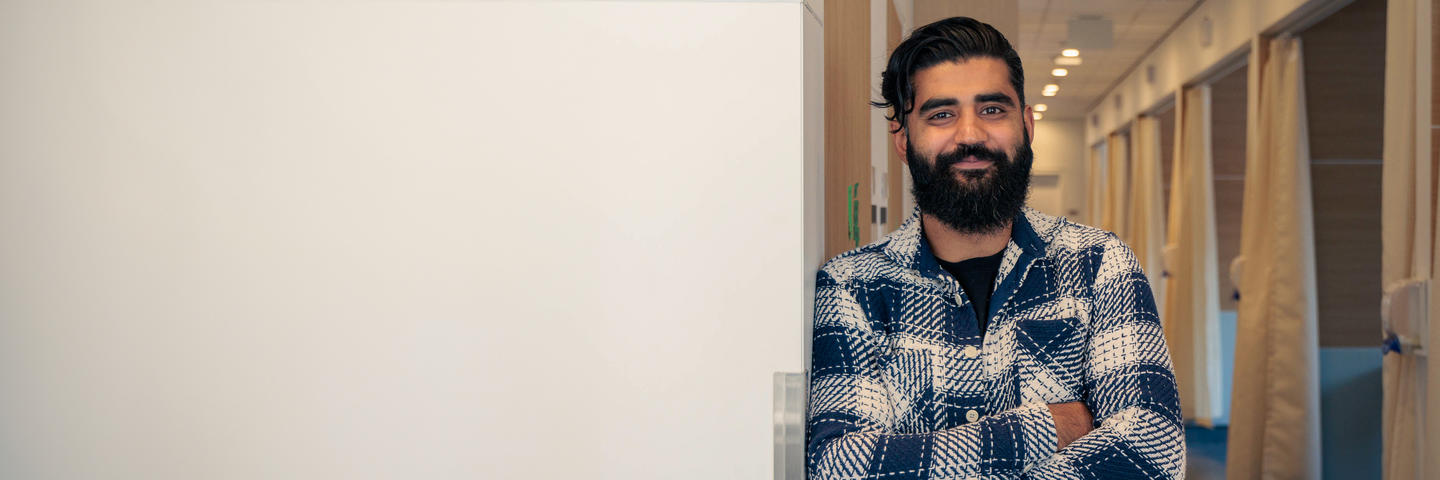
<point>898,137</point>
<point>1030,122</point>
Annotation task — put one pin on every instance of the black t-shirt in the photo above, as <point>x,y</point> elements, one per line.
<point>977,277</point>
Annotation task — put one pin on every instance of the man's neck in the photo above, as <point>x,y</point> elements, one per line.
<point>952,246</point>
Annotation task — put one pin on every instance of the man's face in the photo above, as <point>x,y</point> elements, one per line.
<point>967,141</point>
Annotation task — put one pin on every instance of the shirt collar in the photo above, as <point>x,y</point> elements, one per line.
<point>907,245</point>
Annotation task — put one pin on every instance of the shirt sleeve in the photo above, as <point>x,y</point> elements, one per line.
<point>1131,385</point>
<point>851,420</point>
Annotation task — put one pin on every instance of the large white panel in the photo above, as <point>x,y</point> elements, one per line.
<point>398,239</point>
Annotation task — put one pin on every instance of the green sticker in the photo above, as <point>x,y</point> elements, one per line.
<point>852,210</point>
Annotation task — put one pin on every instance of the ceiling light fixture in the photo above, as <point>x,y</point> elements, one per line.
<point>1070,52</point>
<point>1038,116</point>
<point>1040,107</point>
<point>1067,61</point>
<point>1049,93</point>
<point>1059,72</point>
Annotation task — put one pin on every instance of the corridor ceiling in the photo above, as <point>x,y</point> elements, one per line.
<point>1044,24</point>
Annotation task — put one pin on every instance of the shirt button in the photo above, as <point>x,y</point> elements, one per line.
<point>971,352</point>
<point>972,416</point>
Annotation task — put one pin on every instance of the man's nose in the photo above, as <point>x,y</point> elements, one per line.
<point>968,131</point>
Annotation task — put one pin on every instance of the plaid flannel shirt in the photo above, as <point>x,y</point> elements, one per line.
<point>902,385</point>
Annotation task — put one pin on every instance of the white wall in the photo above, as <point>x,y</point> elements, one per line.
<point>905,10</point>
<point>879,127</point>
<point>399,239</point>
<point>880,139</point>
<point>1060,150</point>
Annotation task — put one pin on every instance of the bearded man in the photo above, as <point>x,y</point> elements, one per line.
<point>983,339</point>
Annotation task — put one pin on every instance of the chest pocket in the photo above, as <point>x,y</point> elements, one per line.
<point>909,385</point>
<point>1052,359</point>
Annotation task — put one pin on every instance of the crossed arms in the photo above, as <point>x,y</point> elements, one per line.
<point>1131,391</point>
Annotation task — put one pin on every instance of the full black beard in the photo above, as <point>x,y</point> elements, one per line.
<point>985,205</point>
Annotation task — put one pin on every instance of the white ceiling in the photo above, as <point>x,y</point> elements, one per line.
<point>1138,25</point>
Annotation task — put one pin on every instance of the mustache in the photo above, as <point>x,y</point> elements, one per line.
<point>943,161</point>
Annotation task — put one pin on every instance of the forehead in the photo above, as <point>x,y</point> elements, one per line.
<point>963,79</point>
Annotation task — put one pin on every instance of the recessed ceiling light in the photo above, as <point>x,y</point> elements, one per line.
<point>1067,61</point>
<point>1059,72</point>
<point>1070,52</point>
<point>1038,116</point>
<point>1051,87</point>
<point>1040,107</point>
<point>1049,93</point>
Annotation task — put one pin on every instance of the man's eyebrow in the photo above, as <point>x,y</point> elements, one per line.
<point>995,98</point>
<point>935,103</point>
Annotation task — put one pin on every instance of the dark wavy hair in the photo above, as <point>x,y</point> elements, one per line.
<point>949,40</point>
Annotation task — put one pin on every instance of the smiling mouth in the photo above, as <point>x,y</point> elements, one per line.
<point>972,163</point>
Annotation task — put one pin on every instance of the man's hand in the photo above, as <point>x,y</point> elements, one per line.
<point>1072,421</point>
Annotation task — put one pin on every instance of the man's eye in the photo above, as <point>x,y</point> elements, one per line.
<point>991,111</point>
<point>941,115</point>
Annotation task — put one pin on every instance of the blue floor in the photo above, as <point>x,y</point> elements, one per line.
<point>1205,452</point>
<point>1350,409</point>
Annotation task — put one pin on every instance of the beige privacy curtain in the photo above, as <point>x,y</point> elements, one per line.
<point>1096,198</point>
<point>1275,408</point>
<point>1146,221</point>
<point>1191,307</point>
<point>1406,220</point>
<point>1117,186</point>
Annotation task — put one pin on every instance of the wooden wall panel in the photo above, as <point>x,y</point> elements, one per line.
<point>1345,98</point>
<point>1344,82</point>
<point>1347,252</point>
<point>1227,152</point>
<point>847,124</point>
<point>1167,155</point>
<point>1227,127</point>
<point>896,202</point>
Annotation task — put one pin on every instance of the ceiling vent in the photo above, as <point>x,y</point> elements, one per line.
<point>1090,32</point>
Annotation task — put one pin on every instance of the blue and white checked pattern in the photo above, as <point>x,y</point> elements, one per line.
<point>902,385</point>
